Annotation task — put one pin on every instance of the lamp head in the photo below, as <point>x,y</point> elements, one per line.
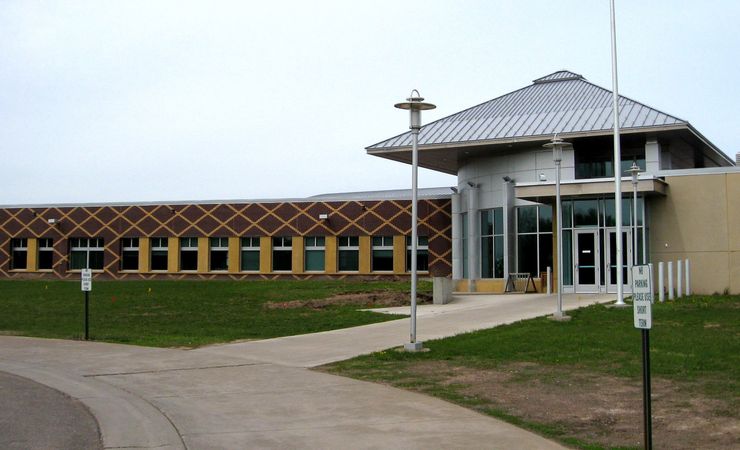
<point>415,104</point>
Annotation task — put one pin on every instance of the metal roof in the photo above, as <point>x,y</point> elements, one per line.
<point>395,194</point>
<point>562,102</point>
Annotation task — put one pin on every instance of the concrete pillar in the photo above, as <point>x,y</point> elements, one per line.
<point>457,250</point>
<point>473,238</point>
<point>509,211</point>
<point>652,156</point>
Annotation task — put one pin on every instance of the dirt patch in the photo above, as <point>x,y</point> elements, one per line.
<point>377,299</point>
<point>597,408</point>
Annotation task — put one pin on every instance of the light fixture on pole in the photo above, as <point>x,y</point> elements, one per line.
<point>557,146</point>
<point>634,171</point>
<point>415,105</point>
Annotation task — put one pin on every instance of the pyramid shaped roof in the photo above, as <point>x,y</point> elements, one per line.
<point>562,102</point>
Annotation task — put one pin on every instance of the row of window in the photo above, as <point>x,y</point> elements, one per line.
<point>88,253</point>
<point>534,234</point>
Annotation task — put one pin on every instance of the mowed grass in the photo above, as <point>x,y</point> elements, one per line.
<point>694,341</point>
<point>180,313</point>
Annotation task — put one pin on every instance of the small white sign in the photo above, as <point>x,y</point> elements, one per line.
<point>642,296</point>
<point>86,276</point>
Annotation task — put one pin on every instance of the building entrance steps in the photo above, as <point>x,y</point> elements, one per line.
<point>259,394</point>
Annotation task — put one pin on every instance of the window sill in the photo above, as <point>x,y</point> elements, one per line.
<point>80,270</point>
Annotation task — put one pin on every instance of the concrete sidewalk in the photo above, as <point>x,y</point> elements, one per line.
<point>259,394</point>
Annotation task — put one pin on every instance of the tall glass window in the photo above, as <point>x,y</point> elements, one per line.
<point>492,243</point>
<point>534,239</point>
<point>282,254</point>
<point>129,253</point>
<point>86,253</point>
<point>315,253</point>
<point>188,253</point>
<point>382,254</point>
<point>19,254</point>
<point>46,253</point>
<point>422,253</point>
<point>349,253</point>
<point>158,259</point>
<point>250,254</point>
<point>219,257</point>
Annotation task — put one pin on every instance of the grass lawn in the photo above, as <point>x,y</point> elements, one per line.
<point>580,381</point>
<point>181,313</point>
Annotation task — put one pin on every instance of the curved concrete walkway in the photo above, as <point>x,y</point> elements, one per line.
<point>260,395</point>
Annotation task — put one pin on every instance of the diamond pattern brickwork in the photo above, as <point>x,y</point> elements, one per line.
<point>348,218</point>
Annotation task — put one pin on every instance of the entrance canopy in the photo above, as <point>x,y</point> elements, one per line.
<point>544,192</point>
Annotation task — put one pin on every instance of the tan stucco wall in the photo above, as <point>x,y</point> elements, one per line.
<point>699,219</point>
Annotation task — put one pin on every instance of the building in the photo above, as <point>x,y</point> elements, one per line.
<point>502,212</point>
<point>498,220</point>
<point>362,234</point>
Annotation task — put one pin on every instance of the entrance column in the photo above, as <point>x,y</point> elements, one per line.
<point>473,238</point>
<point>457,232</point>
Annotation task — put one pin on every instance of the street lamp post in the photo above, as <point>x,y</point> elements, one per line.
<point>415,105</point>
<point>634,170</point>
<point>557,145</point>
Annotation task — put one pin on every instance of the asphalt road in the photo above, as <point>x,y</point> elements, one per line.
<point>34,416</point>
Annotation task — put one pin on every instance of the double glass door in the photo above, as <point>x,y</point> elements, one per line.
<point>595,260</point>
<point>611,260</point>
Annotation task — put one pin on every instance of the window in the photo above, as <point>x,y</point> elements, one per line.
<point>129,253</point>
<point>349,253</point>
<point>315,253</point>
<point>282,254</point>
<point>422,253</point>
<point>250,254</point>
<point>492,243</point>
<point>159,253</point>
<point>188,253</point>
<point>534,239</point>
<point>19,254</point>
<point>598,160</point>
<point>86,253</point>
<point>46,253</point>
<point>219,253</point>
<point>382,253</point>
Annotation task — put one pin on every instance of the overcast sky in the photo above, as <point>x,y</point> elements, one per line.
<point>175,100</point>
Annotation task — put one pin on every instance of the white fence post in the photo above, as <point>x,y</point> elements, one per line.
<point>661,282</point>
<point>670,280</point>
<point>549,280</point>
<point>679,279</point>
<point>688,277</point>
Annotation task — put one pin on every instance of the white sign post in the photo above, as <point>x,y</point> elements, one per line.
<point>642,299</point>
<point>86,277</point>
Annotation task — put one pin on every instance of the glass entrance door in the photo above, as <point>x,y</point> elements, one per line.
<point>586,261</point>
<point>611,260</point>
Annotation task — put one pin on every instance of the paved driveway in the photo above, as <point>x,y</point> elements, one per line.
<point>261,395</point>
